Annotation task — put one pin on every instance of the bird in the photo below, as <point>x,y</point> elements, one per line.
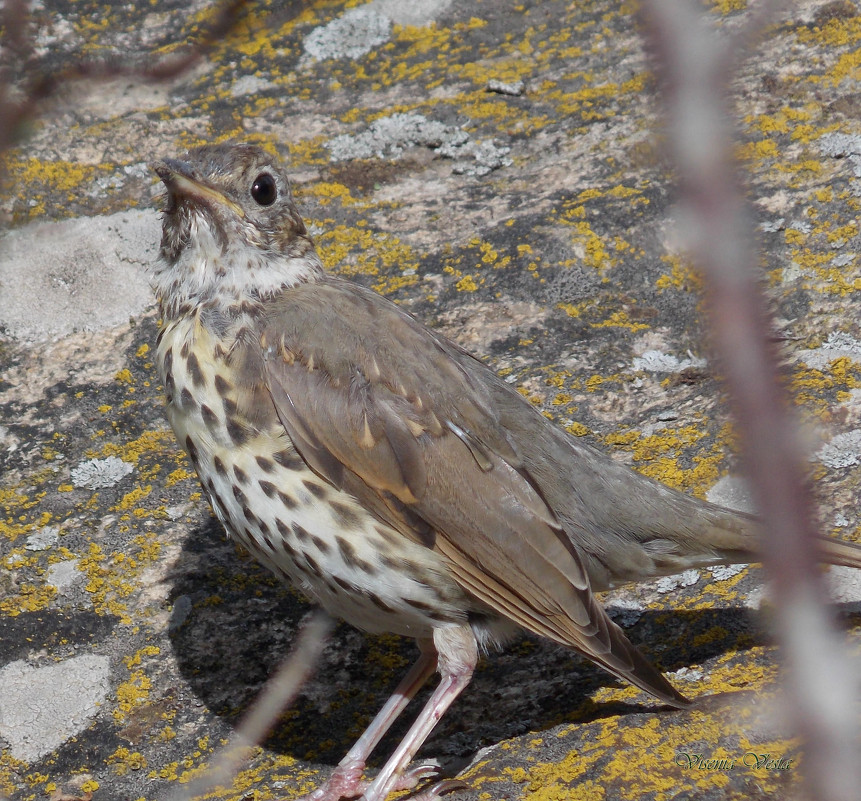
<point>391,476</point>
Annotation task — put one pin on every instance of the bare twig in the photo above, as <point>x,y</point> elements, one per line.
<point>44,85</point>
<point>277,695</point>
<point>14,21</point>
<point>696,68</point>
<point>18,107</point>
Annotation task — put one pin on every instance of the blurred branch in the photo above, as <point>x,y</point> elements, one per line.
<point>277,695</point>
<point>695,66</point>
<point>21,104</point>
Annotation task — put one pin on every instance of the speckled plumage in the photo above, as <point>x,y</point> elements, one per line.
<point>393,477</point>
<point>291,519</point>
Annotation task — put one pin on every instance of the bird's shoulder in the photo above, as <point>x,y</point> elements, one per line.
<point>341,327</point>
<point>382,372</point>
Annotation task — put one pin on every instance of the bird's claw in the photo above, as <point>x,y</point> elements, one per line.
<point>440,789</point>
<point>410,779</point>
<point>346,782</point>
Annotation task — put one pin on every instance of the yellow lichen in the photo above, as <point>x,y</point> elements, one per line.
<point>122,760</point>
<point>131,694</point>
<point>466,284</point>
<point>681,276</point>
<point>29,598</point>
<point>620,319</point>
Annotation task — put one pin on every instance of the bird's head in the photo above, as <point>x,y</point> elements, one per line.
<point>231,232</point>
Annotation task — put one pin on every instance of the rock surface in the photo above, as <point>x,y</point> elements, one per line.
<point>532,223</point>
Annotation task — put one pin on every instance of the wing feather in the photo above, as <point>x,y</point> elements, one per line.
<point>374,400</point>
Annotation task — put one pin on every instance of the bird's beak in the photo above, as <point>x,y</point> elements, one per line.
<point>181,182</point>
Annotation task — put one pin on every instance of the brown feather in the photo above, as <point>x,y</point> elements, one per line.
<point>434,443</point>
<point>466,480</point>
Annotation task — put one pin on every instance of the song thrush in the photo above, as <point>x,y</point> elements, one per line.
<point>396,479</point>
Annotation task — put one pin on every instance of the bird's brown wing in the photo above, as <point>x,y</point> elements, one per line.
<point>378,404</point>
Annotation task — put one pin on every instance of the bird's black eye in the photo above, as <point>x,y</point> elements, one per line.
<point>264,190</point>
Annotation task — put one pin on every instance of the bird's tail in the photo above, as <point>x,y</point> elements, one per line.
<point>735,537</point>
<point>629,528</point>
<point>698,534</point>
<point>839,552</point>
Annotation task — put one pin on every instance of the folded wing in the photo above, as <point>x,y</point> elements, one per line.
<point>408,422</point>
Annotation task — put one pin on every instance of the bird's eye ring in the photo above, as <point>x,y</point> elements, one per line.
<point>264,190</point>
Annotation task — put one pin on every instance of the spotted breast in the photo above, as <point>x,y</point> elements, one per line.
<point>270,501</point>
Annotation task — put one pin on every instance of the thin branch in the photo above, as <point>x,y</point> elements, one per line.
<point>45,85</point>
<point>277,695</point>
<point>696,67</point>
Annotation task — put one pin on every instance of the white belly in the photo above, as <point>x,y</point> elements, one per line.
<point>356,566</point>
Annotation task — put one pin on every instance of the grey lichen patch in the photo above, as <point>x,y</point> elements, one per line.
<point>657,362</point>
<point>101,473</point>
<point>733,492</point>
<point>63,575</point>
<point>839,146</point>
<point>837,346</point>
<point>670,583</point>
<point>416,12</point>
<point>44,539</point>
<point>844,450</point>
<point>388,137</point>
<point>352,35</point>
<point>41,707</point>
<point>84,274</point>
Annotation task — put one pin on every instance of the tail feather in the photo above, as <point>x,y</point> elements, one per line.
<point>735,537</point>
<point>839,552</point>
<point>725,536</point>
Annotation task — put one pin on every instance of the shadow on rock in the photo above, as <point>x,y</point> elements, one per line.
<point>234,623</point>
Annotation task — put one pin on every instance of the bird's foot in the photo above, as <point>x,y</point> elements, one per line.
<point>439,789</point>
<point>410,779</point>
<point>346,782</point>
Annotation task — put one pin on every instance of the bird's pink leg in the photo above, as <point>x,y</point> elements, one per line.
<point>457,655</point>
<point>346,779</point>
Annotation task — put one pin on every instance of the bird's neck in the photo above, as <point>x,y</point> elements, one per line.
<point>226,279</point>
